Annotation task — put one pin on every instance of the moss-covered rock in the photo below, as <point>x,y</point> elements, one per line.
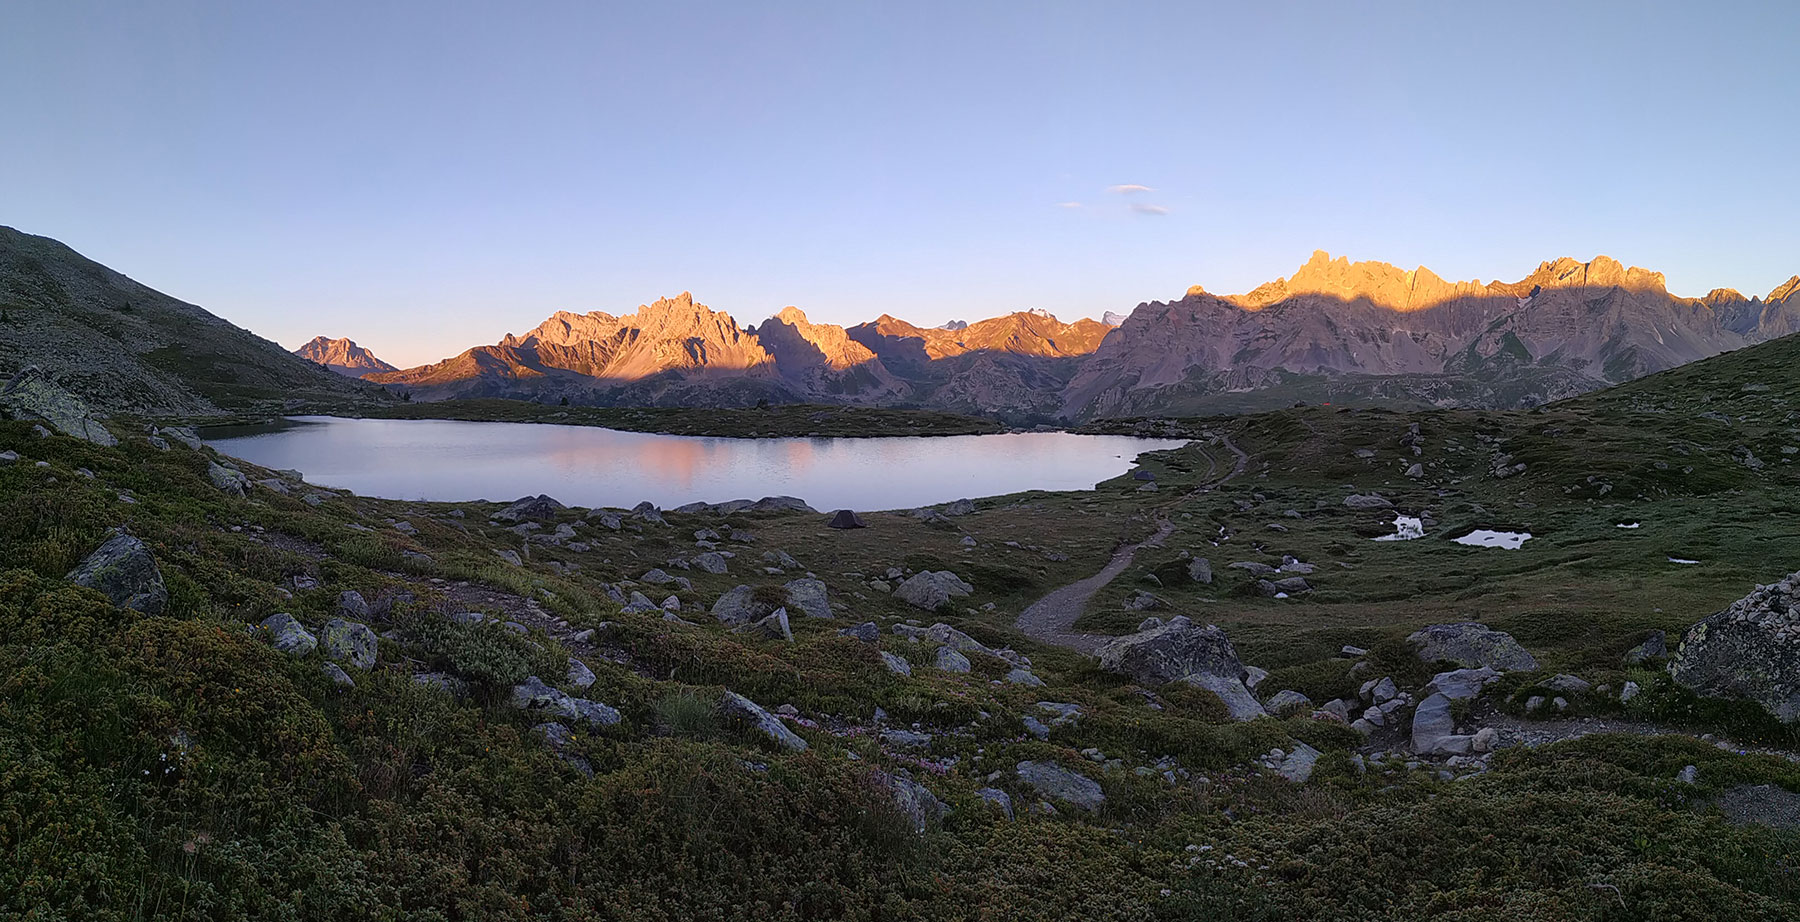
<point>124,570</point>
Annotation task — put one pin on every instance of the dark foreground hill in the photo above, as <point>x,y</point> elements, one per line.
<point>126,348</point>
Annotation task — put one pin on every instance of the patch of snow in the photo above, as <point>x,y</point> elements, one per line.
<point>1406,528</point>
<point>1631,525</point>
<point>1281,595</point>
<point>1482,537</point>
<point>1681,560</point>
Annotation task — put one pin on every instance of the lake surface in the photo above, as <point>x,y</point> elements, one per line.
<point>454,461</point>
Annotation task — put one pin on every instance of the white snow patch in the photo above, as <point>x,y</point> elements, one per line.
<point>1406,528</point>
<point>1629,525</point>
<point>1482,537</point>
<point>1681,560</point>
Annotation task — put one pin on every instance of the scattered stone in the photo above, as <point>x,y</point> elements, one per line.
<point>931,590</point>
<point>1297,766</point>
<point>951,660</point>
<point>1058,783</point>
<point>1254,568</point>
<point>32,395</point>
<point>1689,774</point>
<point>1629,692</point>
<point>906,739</point>
<point>1288,702</point>
<point>1749,650</point>
<point>1024,677</point>
<point>736,606</point>
<point>349,642</point>
<point>510,556</point>
<point>1486,739</point>
<point>123,570</point>
<point>1471,645</point>
<point>1460,684</point>
<point>1348,650</point>
<point>338,676</point>
<point>918,803</point>
<point>580,675</point>
<point>999,799</point>
<point>227,479</point>
<point>710,562</point>
<point>895,663</point>
<point>1239,703</point>
<point>1567,684</point>
<point>1200,570</point>
<point>1035,727</point>
<point>808,595</point>
<point>741,710</point>
<point>1432,721</point>
<point>867,632</point>
<point>289,635</point>
<point>774,626</point>
<point>1366,501</point>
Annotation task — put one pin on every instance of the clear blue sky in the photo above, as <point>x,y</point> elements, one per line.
<point>427,176</point>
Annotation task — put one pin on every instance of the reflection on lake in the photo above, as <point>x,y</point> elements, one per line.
<point>451,461</point>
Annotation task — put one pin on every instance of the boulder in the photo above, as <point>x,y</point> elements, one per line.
<point>1297,766</point>
<point>1471,645</point>
<point>1282,588</point>
<point>1434,729</point>
<point>227,480</point>
<point>1024,677</point>
<point>950,659</point>
<point>895,663</point>
<point>539,508</point>
<point>914,799</point>
<point>736,606</point>
<point>1462,683</point>
<point>289,635</point>
<point>1253,568</point>
<point>932,590</point>
<point>32,395</point>
<point>774,626</point>
<point>349,642</point>
<point>960,507</point>
<point>711,562</point>
<point>352,605</point>
<point>1200,570</point>
<point>781,504</point>
<point>182,434</point>
<point>338,676</point>
<point>1000,799</point>
<point>1565,684</point>
<point>580,675</point>
<point>1239,703</point>
<point>1366,501</point>
<point>1177,649</point>
<point>123,570</point>
<point>737,709</point>
<point>808,595</point>
<point>534,695</point>
<point>1287,702</point>
<point>867,632</point>
<point>1751,650</point>
<point>844,518</point>
<point>1060,784</point>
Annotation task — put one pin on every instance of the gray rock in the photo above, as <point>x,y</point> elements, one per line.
<point>1656,646</point>
<point>1024,677</point>
<point>540,508</point>
<point>932,590</point>
<point>740,710</point>
<point>918,803</point>
<point>561,739</point>
<point>1254,568</point>
<point>123,570</point>
<point>1366,501</point>
<point>1254,676</point>
<point>1000,799</point>
<point>534,695</point>
<point>1060,784</point>
<point>182,434</point>
<point>1035,727</point>
<point>781,504</point>
<point>1288,702</point>
<point>1177,649</point>
<point>711,562</point>
<point>1239,703</point>
<point>580,675</point>
<point>349,642</point>
<point>808,596</point>
<point>1278,588</point>
<point>640,603</point>
<point>444,682</point>
<point>1565,684</point>
<point>1486,739</point>
<point>867,632</point>
<point>951,660</point>
<point>656,577</point>
<point>1200,570</point>
<point>1432,722</point>
<point>906,739</point>
<point>510,556</point>
<point>289,635</point>
<point>895,663</point>
<point>32,395</point>
<point>227,479</point>
<point>1689,774</point>
<point>1534,703</point>
<point>1298,764</point>
<point>1459,684</point>
<point>774,626</point>
<point>1749,650</point>
<point>338,676</point>
<point>736,606</point>
<point>1629,692</point>
<point>1471,645</point>
<point>780,559</point>
<point>352,605</point>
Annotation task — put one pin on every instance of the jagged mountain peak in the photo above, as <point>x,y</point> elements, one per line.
<point>1784,290</point>
<point>343,356</point>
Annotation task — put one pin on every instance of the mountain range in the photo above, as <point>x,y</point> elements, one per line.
<point>343,356</point>
<point>1335,331</point>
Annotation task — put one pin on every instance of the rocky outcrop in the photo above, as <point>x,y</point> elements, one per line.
<point>737,709</point>
<point>349,642</point>
<point>1749,650</point>
<point>1062,785</point>
<point>288,634</point>
<point>932,590</point>
<point>1471,645</point>
<point>32,395</point>
<point>342,356</point>
<point>124,571</point>
<point>1172,651</point>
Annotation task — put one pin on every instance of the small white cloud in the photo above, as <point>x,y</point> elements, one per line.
<point>1128,189</point>
<point>1068,204</point>
<point>1142,208</point>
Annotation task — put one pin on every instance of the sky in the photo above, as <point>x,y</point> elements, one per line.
<point>427,176</point>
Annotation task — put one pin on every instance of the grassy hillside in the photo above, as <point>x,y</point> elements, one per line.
<point>178,766</point>
<point>126,348</point>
